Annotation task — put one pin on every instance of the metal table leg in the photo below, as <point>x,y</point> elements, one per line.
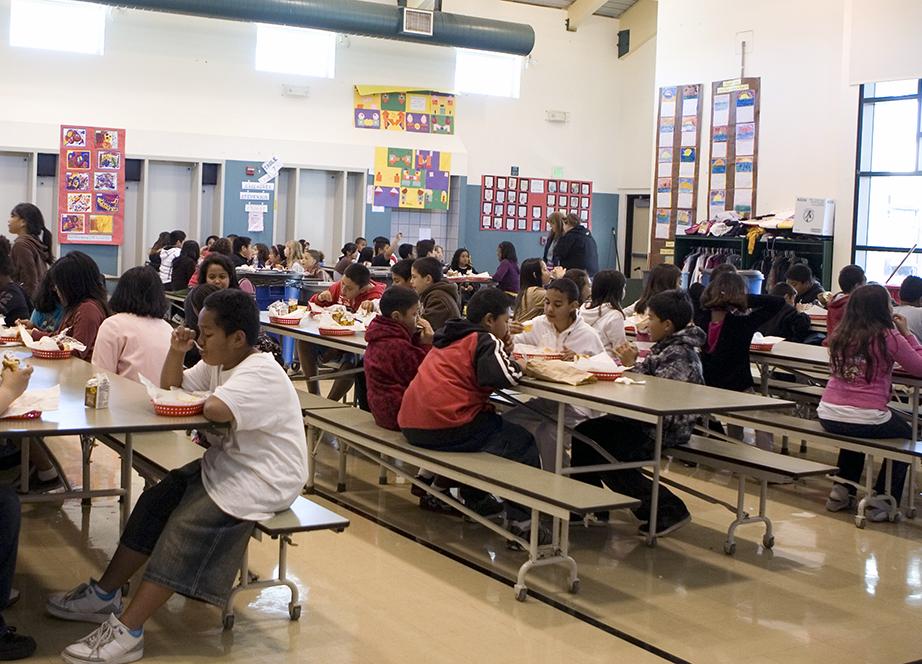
<point>654,499</point>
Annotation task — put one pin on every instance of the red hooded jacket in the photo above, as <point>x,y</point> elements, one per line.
<point>373,293</point>
<point>392,359</point>
<point>834,314</point>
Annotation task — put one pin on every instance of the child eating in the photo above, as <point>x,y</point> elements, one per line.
<point>191,529</point>
<point>439,299</point>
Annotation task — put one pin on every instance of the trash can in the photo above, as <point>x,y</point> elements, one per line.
<point>753,278</point>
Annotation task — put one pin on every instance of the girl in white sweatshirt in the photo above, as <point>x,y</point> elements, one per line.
<point>603,310</point>
<point>559,329</point>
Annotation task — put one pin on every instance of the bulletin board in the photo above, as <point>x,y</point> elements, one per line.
<point>512,203</point>
<point>91,185</point>
<point>733,170</point>
<point>678,152</point>
<point>412,179</point>
<point>404,109</point>
<point>250,194</point>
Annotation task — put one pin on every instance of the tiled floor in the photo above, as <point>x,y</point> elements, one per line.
<point>828,591</point>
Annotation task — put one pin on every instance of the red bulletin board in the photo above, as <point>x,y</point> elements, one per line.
<point>523,204</point>
<point>91,185</point>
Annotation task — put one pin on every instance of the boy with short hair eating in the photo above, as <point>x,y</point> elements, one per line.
<point>440,299</point>
<point>675,355</point>
<point>191,529</point>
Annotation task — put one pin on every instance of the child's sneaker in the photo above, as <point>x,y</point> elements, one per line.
<point>14,646</point>
<point>111,643</point>
<point>430,503</point>
<point>85,604</point>
<point>667,522</point>
<point>877,510</point>
<point>839,498</point>
<point>523,529</point>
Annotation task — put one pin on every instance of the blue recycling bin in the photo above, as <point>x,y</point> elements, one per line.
<point>753,278</point>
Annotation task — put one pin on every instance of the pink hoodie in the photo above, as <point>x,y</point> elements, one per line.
<point>857,392</point>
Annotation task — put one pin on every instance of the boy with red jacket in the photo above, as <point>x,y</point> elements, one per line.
<point>357,292</point>
<point>447,407</point>
<point>398,341</point>
<point>850,278</point>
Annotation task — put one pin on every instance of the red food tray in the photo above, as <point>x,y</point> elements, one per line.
<point>607,376</point>
<point>537,356</point>
<point>337,332</point>
<point>179,411</point>
<point>51,354</point>
<point>284,321</point>
<point>31,415</point>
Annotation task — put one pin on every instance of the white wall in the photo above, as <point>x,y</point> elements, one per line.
<point>186,88</point>
<point>809,110</point>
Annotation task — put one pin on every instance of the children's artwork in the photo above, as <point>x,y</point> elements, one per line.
<point>523,204</point>
<point>72,223</point>
<point>77,181</point>
<point>72,137</point>
<point>414,179</point>
<point>91,192</point>
<point>78,159</point>
<point>105,181</point>
<point>416,111</point>
<point>734,146</point>
<point>108,160</point>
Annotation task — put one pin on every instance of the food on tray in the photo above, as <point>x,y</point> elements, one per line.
<point>11,362</point>
<point>343,318</point>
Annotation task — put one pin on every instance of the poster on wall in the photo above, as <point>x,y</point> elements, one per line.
<point>404,109</point>
<point>91,185</point>
<point>411,179</point>
<point>514,203</point>
<point>678,151</point>
<point>733,169</point>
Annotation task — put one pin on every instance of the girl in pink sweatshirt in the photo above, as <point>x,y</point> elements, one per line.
<point>862,351</point>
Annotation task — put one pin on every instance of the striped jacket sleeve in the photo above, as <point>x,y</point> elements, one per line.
<point>494,368</point>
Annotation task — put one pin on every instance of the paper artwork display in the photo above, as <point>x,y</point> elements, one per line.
<point>733,172</point>
<point>92,189</point>
<point>415,111</point>
<point>523,204</point>
<point>413,179</point>
<point>678,152</point>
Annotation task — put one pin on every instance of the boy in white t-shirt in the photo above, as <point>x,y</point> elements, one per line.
<point>191,529</point>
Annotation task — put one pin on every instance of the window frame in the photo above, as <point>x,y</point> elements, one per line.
<point>866,143</point>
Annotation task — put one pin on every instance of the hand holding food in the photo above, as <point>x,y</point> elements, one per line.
<point>10,362</point>
<point>182,340</point>
<point>367,307</point>
<point>325,296</point>
<point>26,324</point>
<point>516,327</point>
<point>902,325</point>
<point>15,382</point>
<point>568,355</point>
<point>627,353</point>
<point>558,272</point>
<point>426,334</point>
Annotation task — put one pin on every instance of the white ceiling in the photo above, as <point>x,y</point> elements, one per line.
<point>612,8</point>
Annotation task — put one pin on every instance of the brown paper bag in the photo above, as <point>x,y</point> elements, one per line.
<point>558,371</point>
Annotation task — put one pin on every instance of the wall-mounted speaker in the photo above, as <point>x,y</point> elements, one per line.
<point>47,166</point>
<point>210,174</point>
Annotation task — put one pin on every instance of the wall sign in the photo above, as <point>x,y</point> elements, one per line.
<point>91,185</point>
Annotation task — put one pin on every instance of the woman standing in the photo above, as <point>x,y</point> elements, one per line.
<point>576,248</point>
<point>31,253</point>
<point>555,221</point>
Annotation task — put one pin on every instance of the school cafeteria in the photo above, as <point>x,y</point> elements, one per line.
<point>521,331</point>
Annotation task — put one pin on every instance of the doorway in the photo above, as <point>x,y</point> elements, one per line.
<point>637,235</point>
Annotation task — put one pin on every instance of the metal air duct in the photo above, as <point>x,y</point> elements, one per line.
<point>353,17</point>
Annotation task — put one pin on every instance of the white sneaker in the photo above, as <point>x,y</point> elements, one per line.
<point>111,643</point>
<point>83,604</point>
<point>839,498</point>
<point>877,510</point>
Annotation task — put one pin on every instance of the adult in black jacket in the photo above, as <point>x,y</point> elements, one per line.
<point>576,248</point>
<point>555,222</point>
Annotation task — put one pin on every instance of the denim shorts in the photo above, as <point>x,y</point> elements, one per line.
<point>195,549</point>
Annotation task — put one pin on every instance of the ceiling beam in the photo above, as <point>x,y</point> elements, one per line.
<point>580,10</point>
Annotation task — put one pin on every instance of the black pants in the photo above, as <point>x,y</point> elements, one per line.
<point>625,440</point>
<point>9,544</point>
<point>851,464</point>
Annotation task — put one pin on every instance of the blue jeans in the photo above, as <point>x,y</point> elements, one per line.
<point>9,544</point>
<point>851,464</point>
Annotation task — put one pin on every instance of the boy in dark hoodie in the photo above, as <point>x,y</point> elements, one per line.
<point>788,323</point>
<point>440,299</point>
<point>676,355</point>
<point>800,278</point>
<point>850,278</point>
<point>398,341</point>
<point>447,406</point>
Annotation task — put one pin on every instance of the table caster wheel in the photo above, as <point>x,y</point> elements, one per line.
<point>340,488</point>
<point>729,548</point>
<point>860,521</point>
<point>521,592</point>
<point>229,622</point>
<point>294,612</point>
<point>574,587</point>
<point>768,541</point>
<point>911,514</point>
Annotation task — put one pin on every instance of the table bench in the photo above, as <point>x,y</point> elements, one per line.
<point>746,461</point>
<point>889,449</point>
<point>156,454</point>
<point>541,491</point>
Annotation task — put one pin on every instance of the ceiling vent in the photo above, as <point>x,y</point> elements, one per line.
<point>417,22</point>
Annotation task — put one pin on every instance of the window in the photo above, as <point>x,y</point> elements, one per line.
<point>58,25</point>
<point>299,51</point>
<point>888,214</point>
<point>483,73</point>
